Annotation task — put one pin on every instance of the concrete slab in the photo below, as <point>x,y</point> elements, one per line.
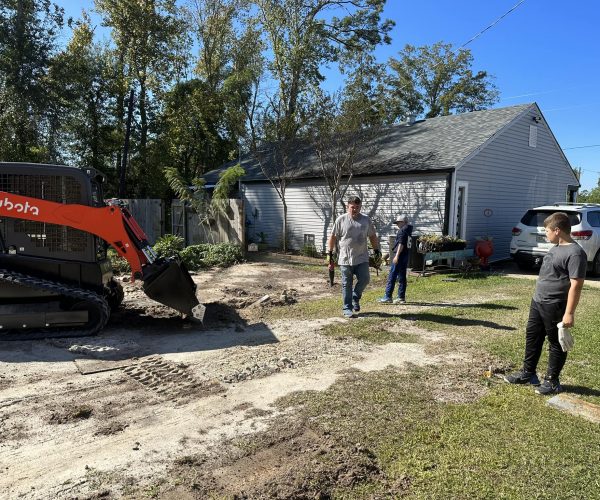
<point>576,406</point>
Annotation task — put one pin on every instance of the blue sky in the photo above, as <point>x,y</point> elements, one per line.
<point>545,51</point>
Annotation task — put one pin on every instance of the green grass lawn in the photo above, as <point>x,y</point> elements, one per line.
<point>508,443</point>
<point>489,311</point>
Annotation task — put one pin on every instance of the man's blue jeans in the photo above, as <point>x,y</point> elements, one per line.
<point>350,294</point>
<point>397,273</point>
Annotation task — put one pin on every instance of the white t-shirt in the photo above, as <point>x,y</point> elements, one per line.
<point>352,237</point>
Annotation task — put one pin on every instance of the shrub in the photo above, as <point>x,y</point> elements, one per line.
<point>119,264</point>
<point>168,245</point>
<point>194,257</point>
<point>310,251</point>
<point>206,255</point>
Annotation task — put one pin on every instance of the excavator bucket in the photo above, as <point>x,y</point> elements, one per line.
<point>168,281</point>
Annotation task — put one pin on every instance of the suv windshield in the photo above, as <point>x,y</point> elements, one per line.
<point>536,217</point>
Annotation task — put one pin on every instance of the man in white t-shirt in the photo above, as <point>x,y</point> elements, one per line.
<point>350,233</point>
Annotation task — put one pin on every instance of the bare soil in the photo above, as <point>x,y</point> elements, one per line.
<point>100,417</point>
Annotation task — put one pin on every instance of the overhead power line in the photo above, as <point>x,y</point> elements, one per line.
<point>493,24</point>
<point>582,147</point>
<point>513,8</point>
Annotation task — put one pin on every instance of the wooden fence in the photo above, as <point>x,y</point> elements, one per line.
<point>150,214</point>
<point>226,227</point>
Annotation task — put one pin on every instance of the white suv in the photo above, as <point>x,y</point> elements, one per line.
<point>529,244</point>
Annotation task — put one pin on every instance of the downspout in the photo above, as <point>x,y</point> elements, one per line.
<point>449,200</point>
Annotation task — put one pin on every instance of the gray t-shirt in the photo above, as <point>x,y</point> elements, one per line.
<point>560,264</point>
<point>352,237</point>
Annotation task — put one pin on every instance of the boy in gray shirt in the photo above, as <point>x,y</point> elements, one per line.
<point>555,299</point>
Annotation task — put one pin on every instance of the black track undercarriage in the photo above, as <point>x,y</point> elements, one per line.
<point>63,311</point>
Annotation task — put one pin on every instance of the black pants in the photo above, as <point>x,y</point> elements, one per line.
<point>541,324</point>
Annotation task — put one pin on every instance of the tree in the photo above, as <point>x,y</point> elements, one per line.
<point>82,91</point>
<point>149,36</point>
<point>197,197</point>
<point>343,126</point>
<point>436,80</point>
<point>301,38</point>
<point>304,36</point>
<point>28,30</point>
<point>591,196</point>
<point>204,119</point>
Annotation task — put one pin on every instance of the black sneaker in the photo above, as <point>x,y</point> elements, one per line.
<point>549,386</point>
<point>356,306</point>
<point>522,377</point>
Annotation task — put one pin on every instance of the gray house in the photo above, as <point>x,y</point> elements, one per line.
<point>466,175</point>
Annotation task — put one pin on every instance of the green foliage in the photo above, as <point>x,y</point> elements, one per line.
<point>28,34</point>
<point>211,255</point>
<point>435,80</point>
<point>119,264</point>
<point>439,243</point>
<point>168,245</point>
<point>591,196</point>
<point>150,40</point>
<point>227,181</point>
<point>196,196</point>
<point>195,257</point>
<point>84,119</point>
<point>310,251</point>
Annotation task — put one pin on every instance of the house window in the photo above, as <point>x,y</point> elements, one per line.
<point>532,136</point>
<point>309,240</point>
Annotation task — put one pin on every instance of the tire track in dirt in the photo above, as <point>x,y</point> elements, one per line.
<point>73,459</point>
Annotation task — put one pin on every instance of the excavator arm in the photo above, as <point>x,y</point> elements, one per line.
<point>165,280</point>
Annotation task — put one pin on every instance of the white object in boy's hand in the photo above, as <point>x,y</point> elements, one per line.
<point>565,338</point>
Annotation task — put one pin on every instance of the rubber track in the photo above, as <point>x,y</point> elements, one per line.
<point>80,294</point>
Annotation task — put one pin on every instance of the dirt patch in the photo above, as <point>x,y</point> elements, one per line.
<point>68,414</point>
<point>189,393</point>
<point>111,428</point>
<point>292,460</point>
<point>12,431</point>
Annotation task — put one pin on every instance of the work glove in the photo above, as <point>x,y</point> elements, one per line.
<point>565,338</point>
<point>376,260</point>
<point>330,260</point>
<point>377,256</point>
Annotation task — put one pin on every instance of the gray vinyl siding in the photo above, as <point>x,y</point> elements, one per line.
<point>421,197</point>
<point>509,177</point>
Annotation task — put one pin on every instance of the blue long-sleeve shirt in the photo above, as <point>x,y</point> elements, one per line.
<point>402,238</point>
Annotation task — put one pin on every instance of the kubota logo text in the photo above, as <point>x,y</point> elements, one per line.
<point>20,208</point>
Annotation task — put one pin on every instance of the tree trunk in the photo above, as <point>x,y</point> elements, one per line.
<point>123,173</point>
<point>143,167</point>
<point>120,111</point>
<point>284,241</point>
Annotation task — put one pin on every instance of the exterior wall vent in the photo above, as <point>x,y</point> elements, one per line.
<point>533,136</point>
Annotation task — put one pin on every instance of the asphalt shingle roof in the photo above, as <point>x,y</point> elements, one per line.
<point>434,144</point>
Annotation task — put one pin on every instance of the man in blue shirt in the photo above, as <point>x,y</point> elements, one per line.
<point>399,262</point>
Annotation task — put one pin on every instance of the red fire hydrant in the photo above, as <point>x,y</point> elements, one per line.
<point>484,249</point>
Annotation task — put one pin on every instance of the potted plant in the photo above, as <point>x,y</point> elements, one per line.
<point>439,243</point>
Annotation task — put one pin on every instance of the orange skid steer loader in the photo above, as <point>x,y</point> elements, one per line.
<point>55,276</point>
